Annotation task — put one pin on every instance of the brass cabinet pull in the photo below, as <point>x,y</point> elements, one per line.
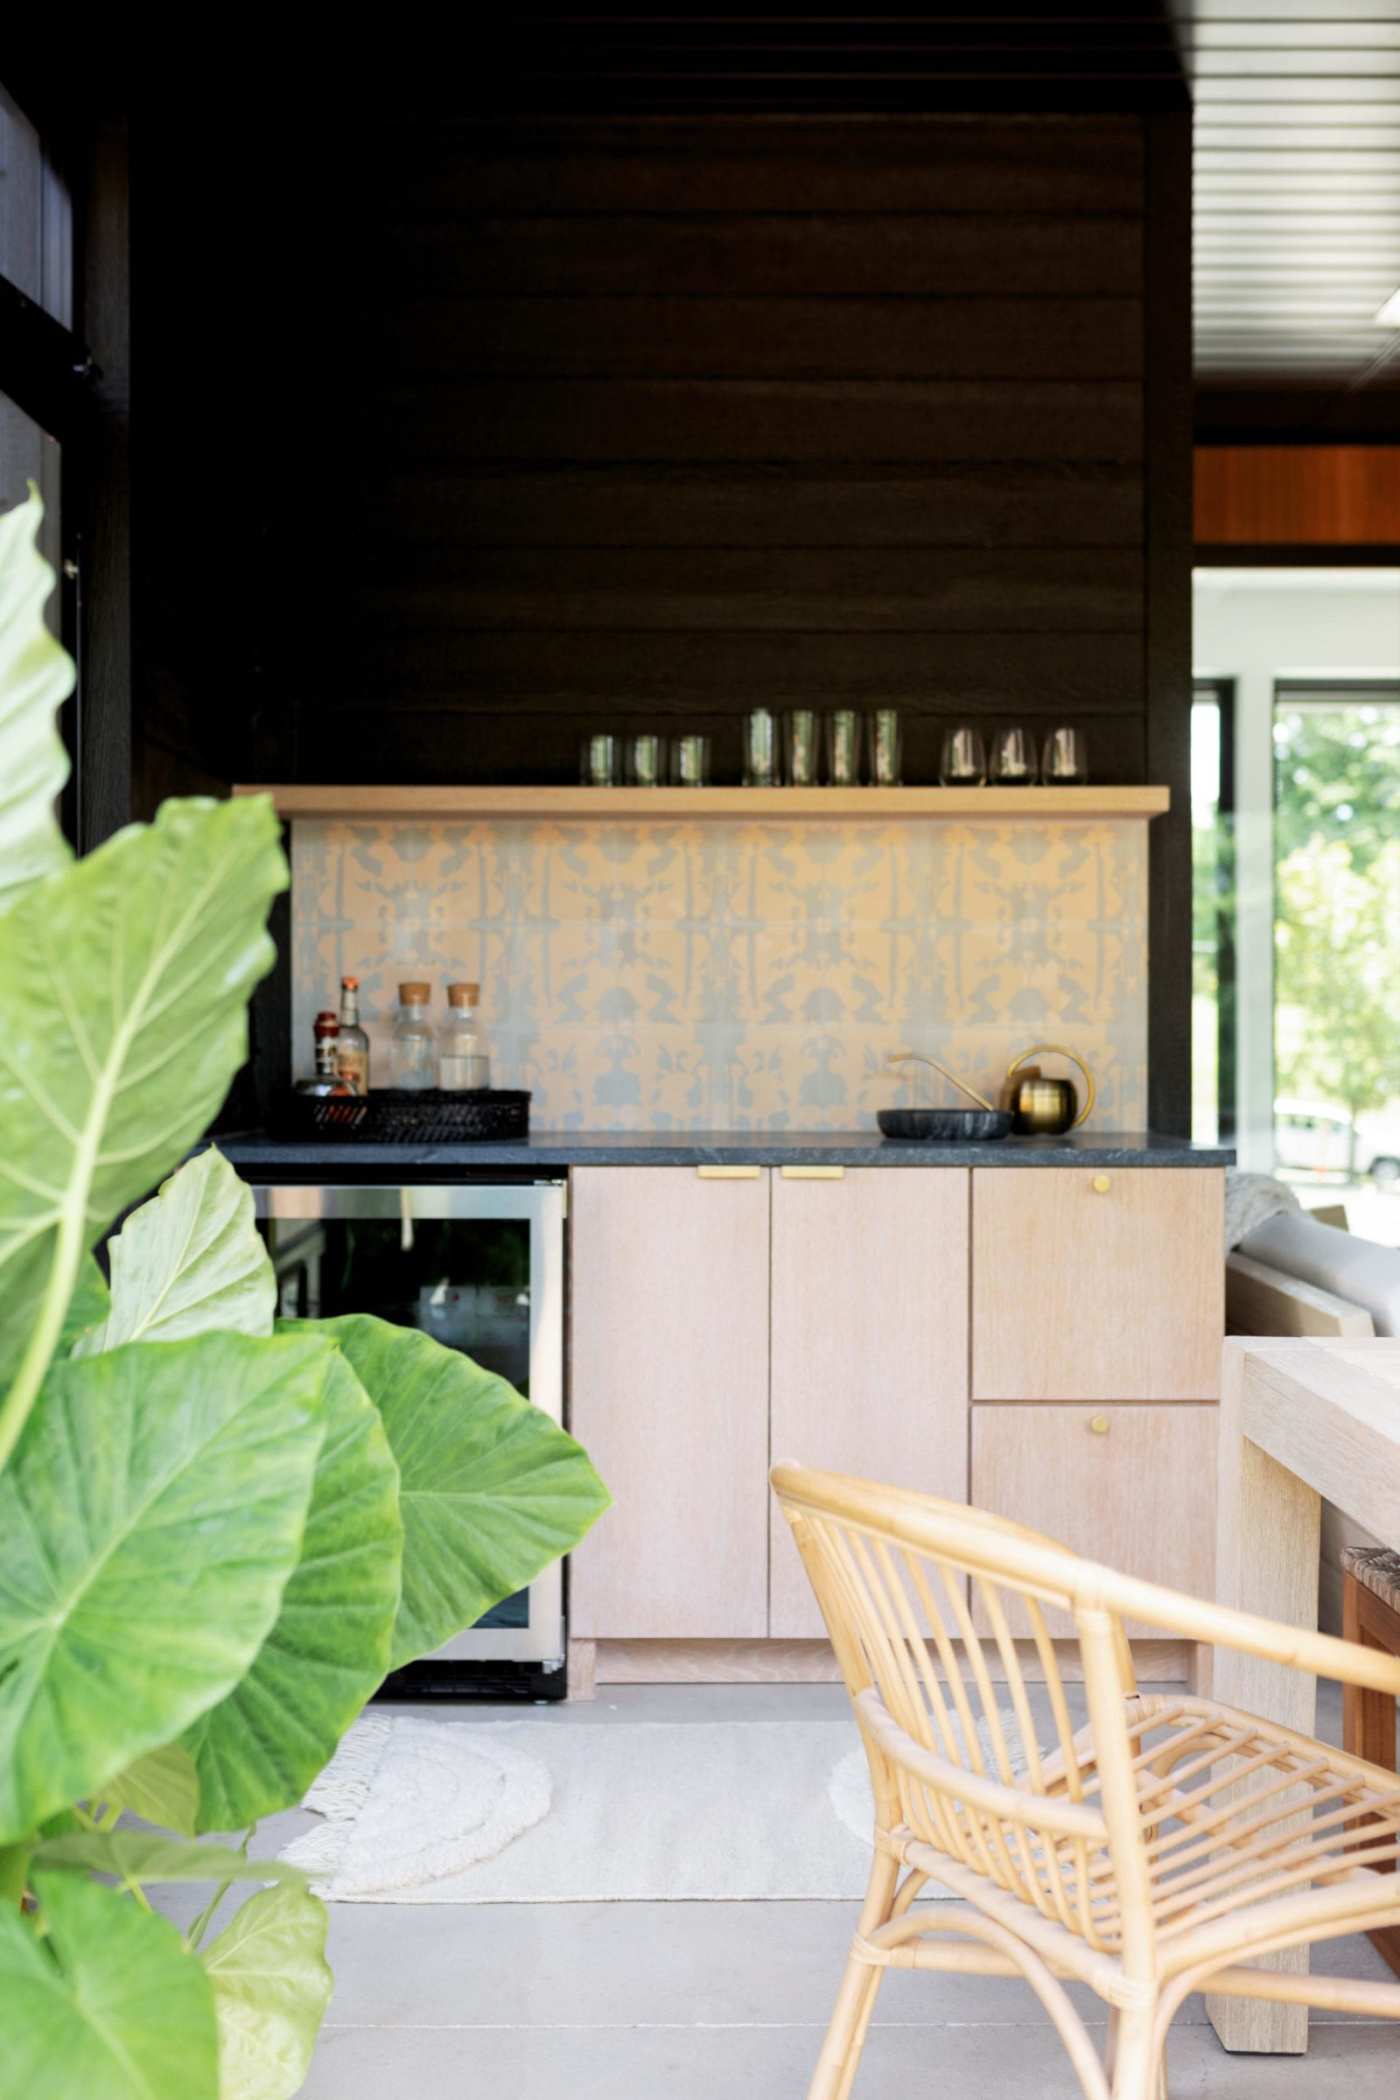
<point>729,1173</point>
<point>813,1173</point>
<point>1099,1425</point>
<point>1101,1184</point>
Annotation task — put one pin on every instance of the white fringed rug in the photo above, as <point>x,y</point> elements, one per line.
<point>420,1811</point>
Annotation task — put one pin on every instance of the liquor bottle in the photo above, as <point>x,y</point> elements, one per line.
<point>411,1052</point>
<point>463,1059</point>
<point>325,1081</point>
<point>352,1044</point>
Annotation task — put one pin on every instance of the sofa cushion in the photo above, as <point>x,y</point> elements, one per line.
<point>1358,1270</point>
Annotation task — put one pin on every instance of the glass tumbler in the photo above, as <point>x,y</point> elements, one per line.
<point>886,739</point>
<point>646,760</point>
<point>843,748</point>
<point>964,758</point>
<point>1065,762</point>
<point>1014,759</point>
<point>690,761</point>
<point>800,726</point>
<point>599,761</point>
<point>760,748</point>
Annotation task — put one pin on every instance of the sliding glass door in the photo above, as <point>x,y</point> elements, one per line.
<point>1337,937</point>
<point>1296,820</point>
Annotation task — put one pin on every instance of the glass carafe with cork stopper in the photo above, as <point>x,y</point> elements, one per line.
<point>464,1063</point>
<point>412,1053</point>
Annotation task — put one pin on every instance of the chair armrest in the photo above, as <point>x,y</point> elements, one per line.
<point>1293,1647</point>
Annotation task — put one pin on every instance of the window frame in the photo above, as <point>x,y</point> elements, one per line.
<point>50,375</point>
<point>1220,692</point>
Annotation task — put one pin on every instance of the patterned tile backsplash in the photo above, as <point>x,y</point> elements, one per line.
<point>724,975</point>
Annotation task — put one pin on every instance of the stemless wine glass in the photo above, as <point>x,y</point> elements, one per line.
<point>760,748</point>
<point>690,761</point>
<point>885,742</point>
<point>646,760</point>
<point>843,748</point>
<point>599,761</point>
<point>800,726</point>
<point>964,758</point>
<point>1013,758</point>
<point>1066,758</point>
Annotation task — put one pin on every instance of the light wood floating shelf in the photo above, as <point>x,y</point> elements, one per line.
<point>575,805</point>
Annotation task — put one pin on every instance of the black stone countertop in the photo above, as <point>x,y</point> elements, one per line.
<point>260,1156</point>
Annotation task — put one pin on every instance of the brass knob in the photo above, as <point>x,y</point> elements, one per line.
<point>1101,1184</point>
<point>1098,1425</point>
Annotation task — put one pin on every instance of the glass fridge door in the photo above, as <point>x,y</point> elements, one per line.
<point>480,1269</point>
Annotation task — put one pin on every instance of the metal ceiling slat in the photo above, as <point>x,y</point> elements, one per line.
<point>1280,35</point>
<point>1297,187</point>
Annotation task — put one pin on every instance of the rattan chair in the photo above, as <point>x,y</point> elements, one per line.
<point>1167,1845</point>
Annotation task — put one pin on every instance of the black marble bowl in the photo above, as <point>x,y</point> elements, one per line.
<point>944,1126</point>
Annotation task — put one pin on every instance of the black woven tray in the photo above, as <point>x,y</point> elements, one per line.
<point>404,1116</point>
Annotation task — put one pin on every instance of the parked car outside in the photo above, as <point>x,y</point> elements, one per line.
<point>1315,1138</point>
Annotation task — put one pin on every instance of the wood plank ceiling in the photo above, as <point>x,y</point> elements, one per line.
<point>1297,214</point>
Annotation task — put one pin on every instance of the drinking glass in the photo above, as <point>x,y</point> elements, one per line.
<point>690,761</point>
<point>1013,758</point>
<point>646,760</point>
<point>884,732</point>
<point>800,731</point>
<point>1066,758</point>
<point>760,748</point>
<point>843,748</point>
<point>964,758</point>
<point>599,761</point>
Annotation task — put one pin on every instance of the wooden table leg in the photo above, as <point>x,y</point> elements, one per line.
<point>1267,1544</point>
<point>1368,1718</point>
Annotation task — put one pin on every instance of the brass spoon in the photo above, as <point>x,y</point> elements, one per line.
<point>904,1057</point>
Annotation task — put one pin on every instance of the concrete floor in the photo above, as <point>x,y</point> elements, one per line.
<point>722,2001</point>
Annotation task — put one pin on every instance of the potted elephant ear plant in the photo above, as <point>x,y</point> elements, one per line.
<point>220,1531</point>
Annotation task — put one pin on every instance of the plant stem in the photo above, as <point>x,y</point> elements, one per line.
<point>201,1925</point>
<point>14,1873</point>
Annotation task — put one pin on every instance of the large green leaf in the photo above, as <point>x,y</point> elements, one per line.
<point>123,983</point>
<point>188,1261</point>
<point>261,1747</point>
<point>144,1855</point>
<point>36,677</point>
<point>151,1515</point>
<point>161,1787</point>
<point>90,1302</point>
<point>491,1491</point>
<point>271,1989</point>
<point>108,2005</point>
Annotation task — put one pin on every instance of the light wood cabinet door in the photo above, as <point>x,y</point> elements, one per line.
<point>669,1392</point>
<point>1097,1285</point>
<point>1131,1486</point>
<point>869,1342</point>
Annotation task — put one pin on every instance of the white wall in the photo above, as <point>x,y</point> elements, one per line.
<point>1258,626</point>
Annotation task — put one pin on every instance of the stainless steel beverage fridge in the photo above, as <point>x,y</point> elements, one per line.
<point>480,1267</point>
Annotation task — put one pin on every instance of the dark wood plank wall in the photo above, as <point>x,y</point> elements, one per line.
<point>665,418</point>
<point>502,430</point>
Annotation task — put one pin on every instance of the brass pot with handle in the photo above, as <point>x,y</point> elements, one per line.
<point>1047,1107</point>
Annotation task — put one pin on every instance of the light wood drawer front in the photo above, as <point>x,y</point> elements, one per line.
<point>1131,1486</point>
<point>1097,1285</point>
<point>669,1391</point>
<point>869,1343</point>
